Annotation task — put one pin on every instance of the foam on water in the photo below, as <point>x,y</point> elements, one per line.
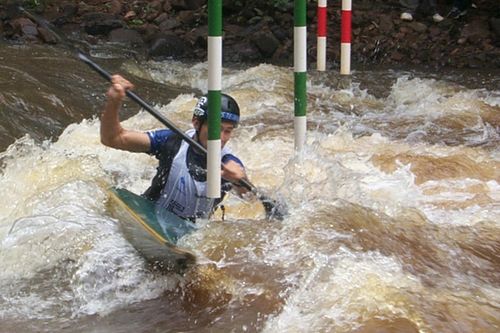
<point>329,295</point>
<point>54,219</point>
<point>375,159</point>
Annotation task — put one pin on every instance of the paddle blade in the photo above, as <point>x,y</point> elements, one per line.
<point>274,209</point>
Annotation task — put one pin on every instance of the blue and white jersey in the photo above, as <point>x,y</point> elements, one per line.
<point>182,194</point>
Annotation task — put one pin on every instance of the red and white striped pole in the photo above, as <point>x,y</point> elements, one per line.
<point>345,38</point>
<point>321,36</point>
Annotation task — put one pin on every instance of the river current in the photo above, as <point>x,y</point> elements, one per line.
<point>394,222</point>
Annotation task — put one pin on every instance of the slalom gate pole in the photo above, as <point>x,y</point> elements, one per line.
<point>321,35</point>
<point>214,97</point>
<point>300,72</point>
<point>345,38</point>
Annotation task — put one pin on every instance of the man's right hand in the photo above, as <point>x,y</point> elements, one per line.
<point>112,133</point>
<point>117,90</point>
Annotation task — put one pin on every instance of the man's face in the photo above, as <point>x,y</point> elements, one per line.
<point>226,130</point>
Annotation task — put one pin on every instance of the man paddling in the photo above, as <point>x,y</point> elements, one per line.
<point>180,184</point>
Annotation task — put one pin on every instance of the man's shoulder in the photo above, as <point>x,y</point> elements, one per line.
<point>160,133</point>
<point>158,139</point>
<point>229,156</point>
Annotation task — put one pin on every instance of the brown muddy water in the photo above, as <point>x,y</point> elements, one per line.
<point>394,203</point>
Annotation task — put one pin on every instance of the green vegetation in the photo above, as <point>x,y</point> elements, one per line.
<point>31,3</point>
<point>35,4</point>
<point>135,22</point>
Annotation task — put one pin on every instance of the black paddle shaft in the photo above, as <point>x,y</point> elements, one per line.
<point>270,205</point>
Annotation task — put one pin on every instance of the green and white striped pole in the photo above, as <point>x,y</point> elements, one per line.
<point>214,97</point>
<point>300,72</point>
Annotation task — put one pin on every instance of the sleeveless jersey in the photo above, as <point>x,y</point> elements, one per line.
<point>185,191</point>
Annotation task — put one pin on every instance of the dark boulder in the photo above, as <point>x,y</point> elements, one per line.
<point>47,36</point>
<point>125,36</point>
<point>167,46</point>
<point>187,4</point>
<point>24,27</point>
<point>100,23</point>
<point>495,27</point>
<point>266,42</point>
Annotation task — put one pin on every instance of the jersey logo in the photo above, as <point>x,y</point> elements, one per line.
<point>174,206</point>
<point>181,185</point>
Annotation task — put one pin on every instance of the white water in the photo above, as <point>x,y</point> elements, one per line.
<point>63,257</point>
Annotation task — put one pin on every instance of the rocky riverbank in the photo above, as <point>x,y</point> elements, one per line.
<point>262,31</point>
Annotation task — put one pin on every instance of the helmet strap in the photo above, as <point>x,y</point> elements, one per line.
<point>198,129</point>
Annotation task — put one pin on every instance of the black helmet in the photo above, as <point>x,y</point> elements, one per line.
<point>230,110</point>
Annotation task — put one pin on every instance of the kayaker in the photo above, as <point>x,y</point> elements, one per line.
<point>180,184</point>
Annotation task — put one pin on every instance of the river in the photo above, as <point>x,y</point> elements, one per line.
<point>394,222</point>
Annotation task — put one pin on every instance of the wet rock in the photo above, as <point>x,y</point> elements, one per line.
<point>434,31</point>
<point>280,33</point>
<point>100,23</point>
<point>47,36</point>
<point>24,27</point>
<point>69,9</point>
<point>11,11</point>
<point>287,18</point>
<point>155,5</point>
<point>232,31</point>
<point>167,46</point>
<point>167,6</point>
<point>186,17</point>
<point>405,30</point>
<point>266,42</point>
<point>386,24</point>
<point>62,16</point>
<point>160,18</point>
<point>169,24</point>
<point>476,30</point>
<point>148,31</point>
<point>150,15</point>
<point>397,56</point>
<point>243,51</point>
<point>187,4</point>
<point>84,8</point>
<point>473,63</point>
<point>418,27</point>
<point>258,31</point>
<point>231,6</point>
<point>130,15</point>
<point>126,36</point>
<point>115,7</point>
<point>495,27</point>
<point>198,37</point>
<point>70,29</point>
